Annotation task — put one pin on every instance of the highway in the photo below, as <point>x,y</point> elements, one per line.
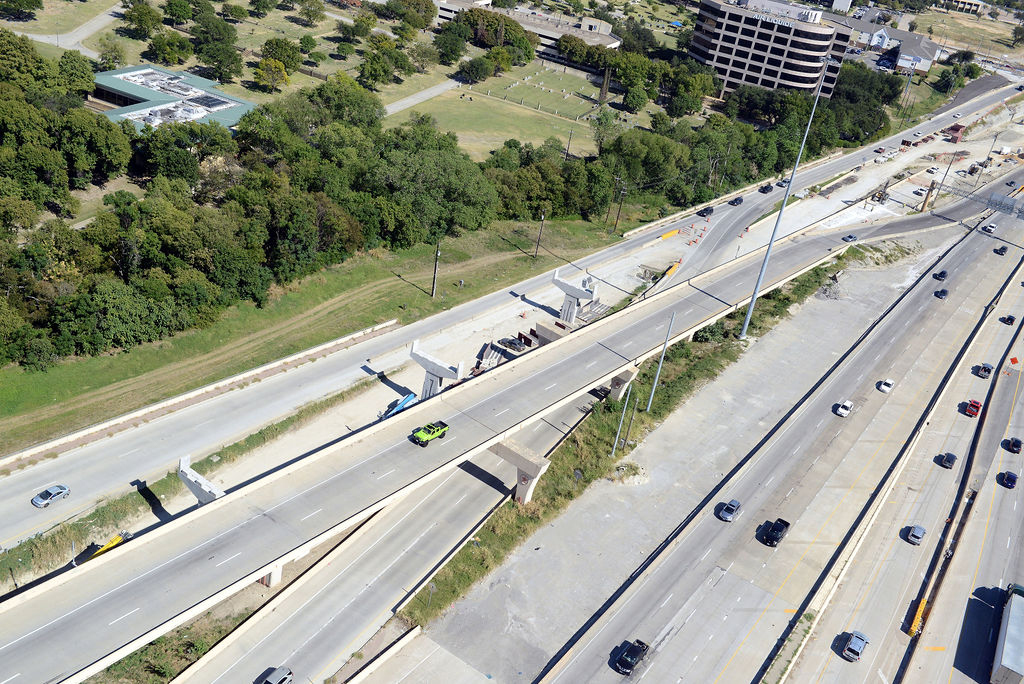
<point>111,466</point>
<point>716,603</point>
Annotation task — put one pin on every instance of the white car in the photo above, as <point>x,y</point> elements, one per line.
<point>844,409</point>
<point>990,228</point>
<point>886,385</point>
<point>933,169</point>
<point>918,134</point>
<point>957,115</point>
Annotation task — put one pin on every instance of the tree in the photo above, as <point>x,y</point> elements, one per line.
<point>19,9</point>
<point>1018,35</point>
<point>375,69</point>
<point>476,69</point>
<point>179,11</point>
<point>312,11</point>
<point>423,55</point>
<point>450,47</point>
<point>170,47</point>
<point>307,43</point>
<point>364,23</point>
<point>143,18</point>
<point>234,12</point>
<point>912,26</point>
<point>270,73</point>
<point>316,57</point>
<point>283,51</point>
<point>223,59</point>
<point>605,127</point>
<point>261,7</point>
<point>111,52</point>
<point>76,72</point>
<point>994,13</point>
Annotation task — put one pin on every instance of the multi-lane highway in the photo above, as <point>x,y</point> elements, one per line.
<point>110,466</point>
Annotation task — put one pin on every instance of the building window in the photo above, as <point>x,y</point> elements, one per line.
<point>774,62</point>
<point>751,78</point>
<point>749,33</point>
<point>729,39</point>
<point>750,21</point>
<point>771,73</point>
<point>745,43</point>
<point>725,50</point>
<point>761,47</point>
<point>810,35</point>
<point>743,54</point>
<point>781,52</point>
<point>731,28</point>
<point>736,75</point>
<point>784,30</point>
<point>766,37</point>
<point>754,68</point>
<point>809,47</point>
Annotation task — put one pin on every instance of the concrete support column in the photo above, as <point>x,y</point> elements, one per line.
<point>204,490</point>
<point>273,578</point>
<point>437,371</point>
<point>620,383</point>
<point>529,468</point>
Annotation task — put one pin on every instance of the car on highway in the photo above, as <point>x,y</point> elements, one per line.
<point>850,238</point>
<point>990,228</point>
<point>854,647</point>
<point>630,657</point>
<point>765,189</point>
<point>730,511</point>
<point>279,675</point>
<point>512,343</point>
<point>783,183</point>
<point>879,150</point>
<point>985,371</point>
<point>915,535</point>
<point>50,494</point>
<point>706,211</point>
<point>1011,183</point>
<point>973,408</point>
<point>957,115</point>
<point>1009,320</point>
<point>1009,479</point>
<point>886,385</point>
<point>736,201</point>
<point>947,460</point>
<point>918,134</point>
<point>942,294</point>
<point>429,432</point>
<point>844,409</point>
<point>1001,251</point>
<point>1014,445</point>
<point>941,275</point>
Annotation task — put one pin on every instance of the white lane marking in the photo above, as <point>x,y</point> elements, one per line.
<point>550,386</point>
<point>11,678</point>
<point>660,327</point>
<point>590,364</point>
<point>769,481</point>
<point>878,357</point>
<point>537,426</point>
<point>501,412</point>
<point>882,676</point>
<point>709,551</point>
<point>820,422</point>
<point>386,474</point>
<point>892,339</point>
<point>665,601</point>
<point>127,453</point>
<point>422,660</point>
<point>1008,542</point>
<point>233,557</point>
<point>460,499</point>
<point>124,616</point>
<point>860,377</point>
<point>790,492</point>
<point>730,567</point>
<point>738,599</point>
<point>689,616</point>
<point>627,343</point>
<point>205,422</point>
<point>311,514</point>
<point>725,617</point>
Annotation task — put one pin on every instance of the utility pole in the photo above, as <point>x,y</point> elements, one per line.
<point>567,146</point>
<point>536,248</point>
<point>622,196</point>
<point>609,214</point>
<point>437,257</point>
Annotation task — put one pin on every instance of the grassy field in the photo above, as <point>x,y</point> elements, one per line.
<point>553,90</point>
<point>59,16</point>
<point>985,36</point>
<point>47,50</point>
<point>484,123</point>
<point>339,300</point>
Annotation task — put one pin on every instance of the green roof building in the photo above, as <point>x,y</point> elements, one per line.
<point>151,95</point>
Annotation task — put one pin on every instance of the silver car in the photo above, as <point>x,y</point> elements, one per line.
<point>49,495</point>
<point>855,645</point>
<point>915,535</point>
<point>730,511</point>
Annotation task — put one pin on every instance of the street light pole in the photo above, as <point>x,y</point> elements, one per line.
<point>789,188</point>
<point>536,249</point>
<point>987,158</point>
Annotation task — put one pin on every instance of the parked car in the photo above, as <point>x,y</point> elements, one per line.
<point>973,408</point>
<point>933,169</point>
<point>844,409</point>
<point>49,495</point>
<point>850,238</point>
<point>630,657</point>
<point>854,647</point>
<point>990,228</point>
<point>706,211</point>
<point>948,460</point>
<point>985,371</point>
<point>1009,479</point>
<point>915,535</point>
<point>1009,320</point>
<point>1014,446</point>
<point>886,385</point>
<point>736,201</point>
<point>730,511</point>
<point>941,275</point>
<point>942,294</point>
<point>765,189</point>
<point>512,343</point>
<point>1001,251</point>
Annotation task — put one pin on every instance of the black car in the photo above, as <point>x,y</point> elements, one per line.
<point>942,294</point>
<point>947,460</point>
<point>736,201</point>
<point>630,657</point>
<point>1009,479</point>
<point>1014,445</point>
<point>776,532</point>
<point>706,211</point>
<point>765,189</point>
<point>1001,251</point>
<point>1009,320</point>
<point>941,275</point>
<point>512,343</point>
<point>1011,183</point>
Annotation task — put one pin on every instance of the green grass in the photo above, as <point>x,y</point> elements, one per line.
<point>923,98</point>
<point>61,16</point>
<point>48,51</point>
<point>688,365</point>
<point>484,123</point>
<point>554,90</point>
<point>985,36</point>
<point>339,300</point>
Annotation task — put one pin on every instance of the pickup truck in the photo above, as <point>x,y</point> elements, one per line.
<point>776,532</point>
<point>630,657</point>
<point>429,432</point>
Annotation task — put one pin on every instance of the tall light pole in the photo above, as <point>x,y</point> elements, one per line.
<point>987,158</point>
<point>789,188</point>
<point>536,249</point>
